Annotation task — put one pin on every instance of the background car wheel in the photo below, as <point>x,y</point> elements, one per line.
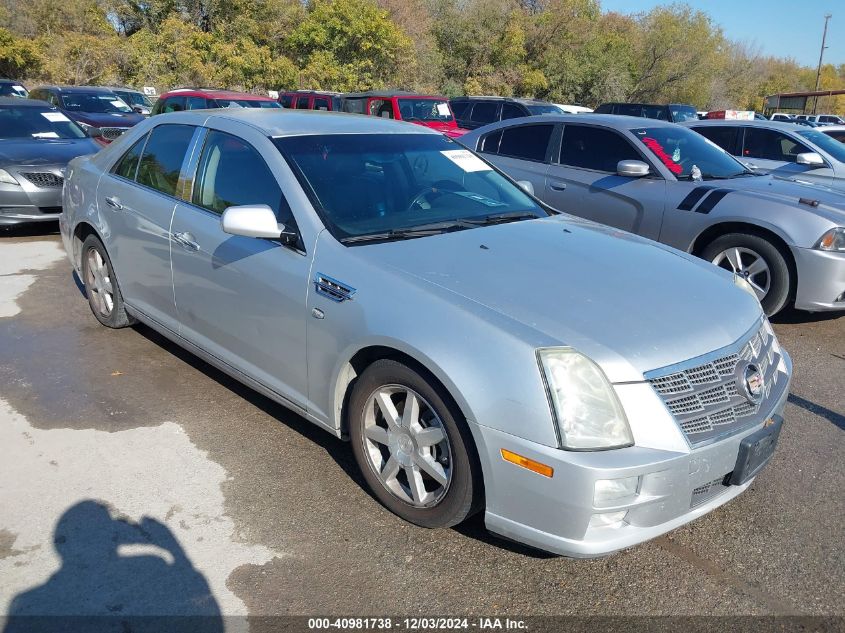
<point>101,286</point>
<point>413,446</point>
<point>761,263</point>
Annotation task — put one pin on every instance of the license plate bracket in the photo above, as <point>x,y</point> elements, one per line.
<point>755,451</point>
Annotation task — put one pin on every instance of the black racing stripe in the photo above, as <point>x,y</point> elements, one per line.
<point>709,203</point>
<point>693,197</point>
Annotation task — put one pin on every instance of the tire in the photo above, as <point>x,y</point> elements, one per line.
<point>101,287</point>
<point>775,281</point>
<point>449,494</point>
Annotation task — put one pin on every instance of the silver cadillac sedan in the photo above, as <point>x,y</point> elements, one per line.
<point>585,388</point>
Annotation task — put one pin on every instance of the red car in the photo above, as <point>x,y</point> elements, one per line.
<point>205,98</point>
<point>428,110</point>
<point>310,100</point>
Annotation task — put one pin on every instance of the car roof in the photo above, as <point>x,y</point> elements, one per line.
<point>284,122</point>
<point>123,88</point>
<point>216,93</point>
<point>832,128</point>
<point>653,105</point>
<point>328,93</point>
<point>76,89</point>
<point>26,103</point>
<point>774,125</point>
<point>523,100</point>
<point>388,94</point>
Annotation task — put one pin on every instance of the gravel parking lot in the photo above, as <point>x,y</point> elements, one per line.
<point>138,479</point>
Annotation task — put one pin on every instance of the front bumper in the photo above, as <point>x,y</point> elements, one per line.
<point>554,514</point>
<point>821,280</point>
<point>27,203</point>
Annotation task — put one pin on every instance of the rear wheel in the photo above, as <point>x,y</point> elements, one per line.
<point>759,262</point>
<point>413,447</point>
<point>101,287</point>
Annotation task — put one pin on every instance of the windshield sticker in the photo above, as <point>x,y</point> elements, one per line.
<point>443,109</point>
<point>117,103</point>
<point>45,135</point>
<point>21,88</point>
<point>55,117</point>
<point>479,198</point>
<point>466,160</point>
<point>676,155</point>
<point>658,150</point>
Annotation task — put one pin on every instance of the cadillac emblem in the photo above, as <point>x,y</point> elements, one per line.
<point>750,382</point>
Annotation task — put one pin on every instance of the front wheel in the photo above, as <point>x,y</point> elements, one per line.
<point>414,450</point>
<point>759,262</point>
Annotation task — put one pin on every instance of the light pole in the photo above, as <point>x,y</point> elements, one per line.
<point>821,55</point>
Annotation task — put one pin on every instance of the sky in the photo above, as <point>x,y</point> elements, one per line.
<point>783,28</point>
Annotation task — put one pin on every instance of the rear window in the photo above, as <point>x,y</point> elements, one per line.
<point>163,155</point>
<point>594,148</point>
<point>528,142</point>
<point>725,136</point>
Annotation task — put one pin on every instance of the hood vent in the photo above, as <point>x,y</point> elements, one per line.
<point>332,288</point>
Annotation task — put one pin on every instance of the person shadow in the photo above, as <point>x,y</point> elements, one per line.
<point>150,585</point>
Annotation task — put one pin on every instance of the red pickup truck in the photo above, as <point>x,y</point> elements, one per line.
<point>428,110</point>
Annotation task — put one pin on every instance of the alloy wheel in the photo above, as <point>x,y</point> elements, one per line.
<point>98,282</point>
<point>749,265</point>
<point>406,446</point>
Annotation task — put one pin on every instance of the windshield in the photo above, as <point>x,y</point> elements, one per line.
<point>36,123</point>
<point>425,110</point>
<point>544,109</point>
<point>683,113</point>
<point>367,184</point>
<point>94,102</point>
<point>134,98</point>
<point>13,90</point>
<point>826,143</point>
<point>680,149</point>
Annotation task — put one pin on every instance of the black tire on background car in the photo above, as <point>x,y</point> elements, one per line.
<point>413,446</point>
<point>762,263</point>
<point>101,286</point>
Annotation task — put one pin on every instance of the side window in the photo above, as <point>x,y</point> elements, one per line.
<point>381,107</point>
<point>459,108</point>
<point>320,103</point>
<point>197,103</point>
<point>162,158</point>
<point>723,135</point>
<point>301,102</point>
<point>838,135</point>
<point>174,104</point>
<point>128,163</point>
<point>490,142</point>
<point>286,101</point>
<point>594,148</point>
<point>771,145</point>
<point>628,109</point>
<point>528,142</point>
<point>484,112</point>
<point>604,108</point>
<point>511,111</point>
<point>226,163</point>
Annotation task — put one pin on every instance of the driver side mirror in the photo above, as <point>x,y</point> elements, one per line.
<point>255,220</point>
<point>632,168</point>
<point>526,186</point>
<point>811,159</point>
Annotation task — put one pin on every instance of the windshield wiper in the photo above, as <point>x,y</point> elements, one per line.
<point>500,218</point>
<point>422,230</point>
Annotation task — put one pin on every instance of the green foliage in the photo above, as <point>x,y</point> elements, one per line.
<point>18,57</point>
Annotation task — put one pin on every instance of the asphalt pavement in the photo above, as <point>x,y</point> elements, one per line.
<point>135,478</point>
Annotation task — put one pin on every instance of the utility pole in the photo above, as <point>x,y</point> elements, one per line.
<point>821,55</point>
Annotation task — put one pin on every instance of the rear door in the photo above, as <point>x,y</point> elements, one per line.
<point>241,299</point>
<point>522,151</point>
<point>136,199</point>
<point>583,181</point>
<point>776,152</point>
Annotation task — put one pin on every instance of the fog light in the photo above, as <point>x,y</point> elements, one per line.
<point>610,490</point>
<point>608,519</point>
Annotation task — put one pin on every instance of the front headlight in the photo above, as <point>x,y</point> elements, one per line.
<point>587,411</point>
<point>833,240</point>
<point>7,178</point>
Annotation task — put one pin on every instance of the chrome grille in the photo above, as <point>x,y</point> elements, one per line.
<point>44,179</point>
<point>703,396</point>
<point>112,133</point>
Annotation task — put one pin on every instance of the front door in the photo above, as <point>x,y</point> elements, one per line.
<point>136,200</point>
<point>584,182</point>
<point>241,299</point>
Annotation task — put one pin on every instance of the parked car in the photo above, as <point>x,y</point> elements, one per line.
<point>135,99</point>
<point>835,131</point>
<point>209,98</point>
<point>473,112</point>
<point>36,143</point>
<point>573,109</point>
<point>586,388</point>
<point>426,110</point>
<point>674,112</point>
<point>311,100</point>
<point>12,88</point>
<point>821,119</point>
<point>91,106</point>
<point>783,117</point>
<point>667,183</point>
<point>783,149</point>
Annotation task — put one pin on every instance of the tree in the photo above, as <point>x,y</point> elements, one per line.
<point>18,57</point>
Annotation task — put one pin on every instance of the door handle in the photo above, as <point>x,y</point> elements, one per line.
<point>186,240</point>
<point>557,186</point>
<point>114,203</point>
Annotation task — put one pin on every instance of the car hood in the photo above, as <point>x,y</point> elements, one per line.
<point>107,119</point>
<point>44,151</point>
<point>831,203</point>
<point>630,304</point>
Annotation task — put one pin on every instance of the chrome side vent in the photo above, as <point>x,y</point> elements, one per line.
<point>332,288</point>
